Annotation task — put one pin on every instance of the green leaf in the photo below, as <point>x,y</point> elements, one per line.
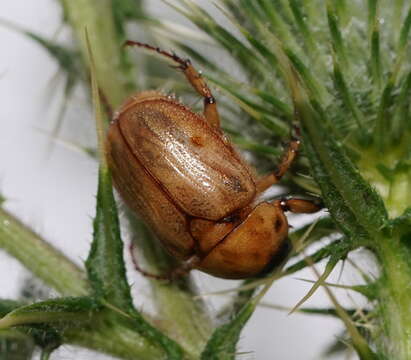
<point>374,29</point>
<point>40,257</point>
<point>349,101</point>
<point>243,54</point>
<point>105,263</point>
<point>323,228</point>
<point>222,344</point>
<point>33,320</point>
<point>260,149</point>
<point>300,20</point>
<point>383,129</point>
<point>336,37</point>
<point>56,310</point>
<point>354,204</point>
<point>401,118</point>
<point>332,262</point>
<point>405,30</point>
<point>115,77</point>
<point>338,249</point>
<point>339,211</point>
<point>370,290</point>
<point>7,306</point>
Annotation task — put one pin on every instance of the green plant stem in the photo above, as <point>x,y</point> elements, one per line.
<point>182,317</point>
<point>395,297</point>
<point>97,15</point>
<point>60,273</point>
<point>43,260</point>
<point>114,338</point>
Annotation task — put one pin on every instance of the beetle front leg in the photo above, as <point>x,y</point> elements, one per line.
<point>299,206</point>
<point>193,77</point>
<point>285,163</point>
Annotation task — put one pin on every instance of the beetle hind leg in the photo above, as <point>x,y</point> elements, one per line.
<point>176,273</point>
<point>193,77</point>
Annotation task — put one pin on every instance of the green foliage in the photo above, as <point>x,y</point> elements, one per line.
<point>222,344</point>
<point>344,152</point>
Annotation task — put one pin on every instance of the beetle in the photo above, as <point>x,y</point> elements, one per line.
<point>180,173</point>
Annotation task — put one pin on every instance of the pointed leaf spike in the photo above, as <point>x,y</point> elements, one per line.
<point>321,280</point>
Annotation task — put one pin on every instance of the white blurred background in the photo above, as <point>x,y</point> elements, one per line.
<point>52,187</point>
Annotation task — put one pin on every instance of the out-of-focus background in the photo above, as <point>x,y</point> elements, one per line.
<point>51,185</point>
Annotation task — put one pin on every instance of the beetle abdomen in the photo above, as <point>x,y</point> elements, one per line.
<point>198,170</point>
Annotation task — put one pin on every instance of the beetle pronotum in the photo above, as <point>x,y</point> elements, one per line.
<point>179,172</point>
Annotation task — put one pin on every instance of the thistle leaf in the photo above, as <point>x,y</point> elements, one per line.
<point>353,203</point>
<point>332,262</point>
<point>222,344</point>
<point>338,249</point>
<point>50,311</point>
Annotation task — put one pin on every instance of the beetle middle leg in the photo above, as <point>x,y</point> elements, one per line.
<point>193,77</point>
<point>288,157</point>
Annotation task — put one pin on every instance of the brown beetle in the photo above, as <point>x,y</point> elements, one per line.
<point>180,173</point>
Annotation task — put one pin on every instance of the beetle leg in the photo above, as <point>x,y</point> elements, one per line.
<point>299,206</point>
<point>183,269</point>
<point>288,157</point>
<point>193,77</point>
<point>140,269</point>
<point>106,104</point>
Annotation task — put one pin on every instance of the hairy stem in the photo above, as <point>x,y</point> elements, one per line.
<point>43,260</point>
<point>114,338</point>
<point>182,317</point>
<point>395,297</point>
<point>113,73</point>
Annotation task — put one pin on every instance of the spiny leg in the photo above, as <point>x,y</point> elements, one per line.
<point>193,77</point>
<point>299,206</point>
<point>182,270</point>
<point>285,163</point>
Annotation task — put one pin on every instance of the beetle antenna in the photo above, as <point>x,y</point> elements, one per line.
<point>194,78</point>
<point>182,63</point>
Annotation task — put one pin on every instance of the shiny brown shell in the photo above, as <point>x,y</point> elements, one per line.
<point>187,182</point>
